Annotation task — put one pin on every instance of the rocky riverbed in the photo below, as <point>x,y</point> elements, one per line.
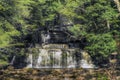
<point>59,74</point>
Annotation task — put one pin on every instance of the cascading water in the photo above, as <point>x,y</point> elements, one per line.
<point>86,61</point>
<point>29,61</point>
<point>45,38</point>
<point>70,60</point>
<point>59,57</point>
<point>12,61</point>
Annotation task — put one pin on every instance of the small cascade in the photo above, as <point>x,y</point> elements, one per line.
<point>45,37</point>
<point>12,61</point>
<point>58,56</point>
<point>43,59</point>
<point>70,60</point>
<point>86,61</point>
<point>29,61</point>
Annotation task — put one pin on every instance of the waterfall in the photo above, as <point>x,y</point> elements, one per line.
<point>43,59</point>
<point>12,61</point>
<point>45,38</point>
<point>49,59</point>
<point>70,60</point>
<point>55,57</point>
<point>86,61</point>
<point>29,61</point>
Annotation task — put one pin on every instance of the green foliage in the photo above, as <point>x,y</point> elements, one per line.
<point>102,44</point>
<point>42,12</point>
<point>78,30</point>
<point>102,76</point>
<point>96,20</point>
<point>7,29</point>
<point>13,14</point>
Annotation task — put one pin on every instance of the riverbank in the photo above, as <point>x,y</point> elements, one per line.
<point>59,74</point>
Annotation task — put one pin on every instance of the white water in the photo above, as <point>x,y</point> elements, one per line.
<point>12,61</point>
<point>57,58</point>
<point>49,58</point>
<point>86,61</point>
<point>70,60</point>
<point>45,37</point>
<point>29,61</point>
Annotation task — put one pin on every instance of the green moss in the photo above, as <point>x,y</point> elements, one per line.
<point>3,62</point>
<point>101,76</point>
<point>11,45</point>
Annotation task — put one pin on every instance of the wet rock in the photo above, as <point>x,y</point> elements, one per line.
<point>1,72</point>
<point>118,77</point>
<point>34,72</point>
<point>34,78</point>
<point>80,78</point>
<point>56,72</point>
<point>93,79</point>
<point>10,68</point>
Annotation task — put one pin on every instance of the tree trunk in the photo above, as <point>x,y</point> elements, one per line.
<point>108,25</point>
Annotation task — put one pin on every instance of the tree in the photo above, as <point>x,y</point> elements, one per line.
<point>12,26</point>
<point>7,29</point>
<point>97,21</point>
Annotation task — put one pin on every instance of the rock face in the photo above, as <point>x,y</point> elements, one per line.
<point>58,56</point>
<point>55,47</point>
<point>58,50</point>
